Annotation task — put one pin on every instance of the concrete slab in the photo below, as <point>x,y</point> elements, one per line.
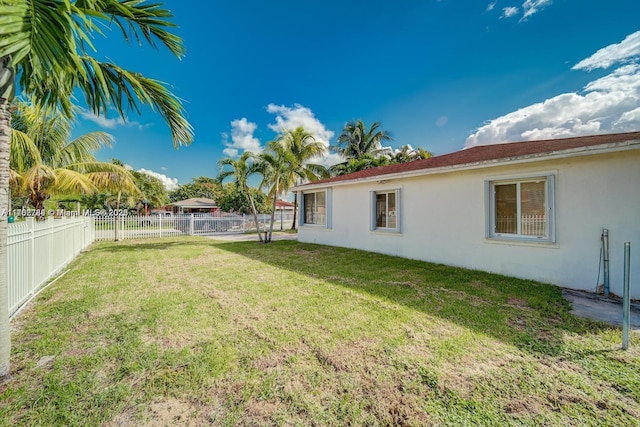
<point>596,307</point>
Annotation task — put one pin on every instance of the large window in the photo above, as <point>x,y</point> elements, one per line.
<point>315,208</point>
<point>521,208</point>
<point>385,208</point>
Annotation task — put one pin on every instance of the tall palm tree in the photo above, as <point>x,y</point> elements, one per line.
<point>304,148</point>
<point>367,161</point>
<point>279,168</point>
<point>356,140</point>
<point>45,51</point>
<point>240,170</point>
<point>45,162</point>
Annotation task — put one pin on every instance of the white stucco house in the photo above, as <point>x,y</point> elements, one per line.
<point>533,210</point>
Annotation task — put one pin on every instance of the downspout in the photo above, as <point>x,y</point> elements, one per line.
<point>605,261</point>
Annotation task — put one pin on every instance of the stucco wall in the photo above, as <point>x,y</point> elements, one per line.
<point>443,221</point>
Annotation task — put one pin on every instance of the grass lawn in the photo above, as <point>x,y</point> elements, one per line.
<point>191,331</point>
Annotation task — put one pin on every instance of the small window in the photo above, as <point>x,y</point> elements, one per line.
<point>521,209</point>
<point>385,208</point>
<point>315,208</point>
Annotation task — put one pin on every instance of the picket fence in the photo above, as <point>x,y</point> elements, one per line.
<point>154,226</point>
<point>38,250</point>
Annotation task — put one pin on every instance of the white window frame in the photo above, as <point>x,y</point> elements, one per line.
<point>490,205</point>
<point>374,211</point>
<point>328,208</point>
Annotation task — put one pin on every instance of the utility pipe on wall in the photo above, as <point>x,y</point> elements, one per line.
<point>626,302</point>
<point>605,260</point>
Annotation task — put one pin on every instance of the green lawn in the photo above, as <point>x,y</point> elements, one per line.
<point>191,331</point>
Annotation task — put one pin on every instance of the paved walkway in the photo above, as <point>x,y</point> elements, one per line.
<point>596,307</point>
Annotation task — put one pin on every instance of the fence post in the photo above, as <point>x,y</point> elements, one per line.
<point>160,223</point>
<point>191,220</point>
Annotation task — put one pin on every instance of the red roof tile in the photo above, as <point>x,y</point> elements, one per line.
<point>485,153</point>
<point>284,204</point>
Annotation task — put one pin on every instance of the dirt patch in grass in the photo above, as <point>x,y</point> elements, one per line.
<point>518,303</point>
<point>527,406</point>
<point>162,413</point>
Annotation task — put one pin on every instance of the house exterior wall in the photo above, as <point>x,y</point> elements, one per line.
<point>443,220</point>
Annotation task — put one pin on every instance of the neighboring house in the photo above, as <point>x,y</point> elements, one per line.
<point>196,205</point>
<point>534,210</point>
<point>284,206</point>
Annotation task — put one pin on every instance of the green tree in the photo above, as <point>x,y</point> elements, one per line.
<point>45,162</point>
<point>304,148</point>
<point>202,186</point>
<point>408,154</point>
<point>152,190</point>
<point>240,171</point>
<point>234,199</point>
<point>367,161</point>
<point>279,169</point>
<point>47,44</point>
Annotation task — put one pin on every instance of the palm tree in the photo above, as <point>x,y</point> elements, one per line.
<point>48,45</point>
<point>280,169</point>
<point>356,140</point>
<point>367,161</point>
<point>304,147</point>
<point>44,162</point>
<point>408,154</point>
<point>241,169</point>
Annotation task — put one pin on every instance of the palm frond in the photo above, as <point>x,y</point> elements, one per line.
<point>81,148</point>
<point>23,151</point>
<point>137,19</point>
<point>106,84</point>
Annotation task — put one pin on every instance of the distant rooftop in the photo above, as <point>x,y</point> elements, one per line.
<point>197,202</point>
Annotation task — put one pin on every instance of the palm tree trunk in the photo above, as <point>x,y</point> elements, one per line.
<point>5,138</point>
<point>255,213</point>
<point>273,216</point>
<point>116,218</point>
<point>295,210</point>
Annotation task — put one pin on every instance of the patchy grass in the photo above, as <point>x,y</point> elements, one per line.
<point>190,331</point>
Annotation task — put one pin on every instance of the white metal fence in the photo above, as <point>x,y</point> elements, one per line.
<point>37,250</point>
<point>154,226</point>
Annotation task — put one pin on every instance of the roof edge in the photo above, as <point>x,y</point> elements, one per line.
<point>610,147</point>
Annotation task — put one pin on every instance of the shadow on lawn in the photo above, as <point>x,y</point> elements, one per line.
<point>530,315</point>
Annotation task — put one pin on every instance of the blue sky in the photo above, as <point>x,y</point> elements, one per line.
<point>440,75</point>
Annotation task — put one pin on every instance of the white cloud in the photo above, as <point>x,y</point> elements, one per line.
<point>441,121</point>
<point>169,183</point>
<point>241,138</point>
<point>612,54</point>
<point>491,6</point>
<point>531,7</point>
<point>291,118</point>
<point>508,12</point>
<point>111,123</point>
<point>608,104</point>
